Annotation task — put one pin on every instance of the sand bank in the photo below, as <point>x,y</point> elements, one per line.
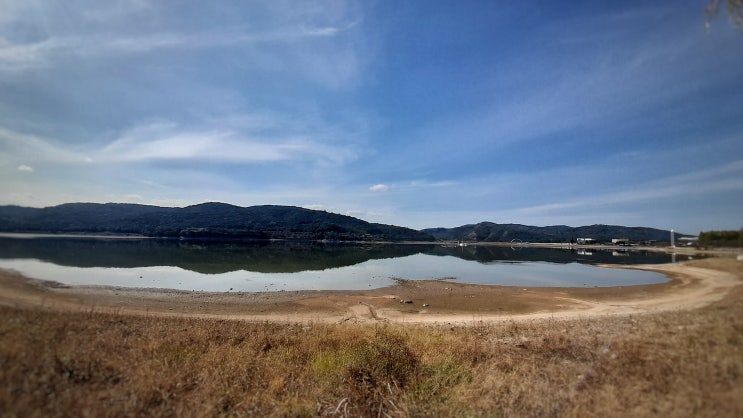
<point>692,284</point>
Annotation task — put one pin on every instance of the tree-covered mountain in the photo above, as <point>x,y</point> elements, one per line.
<point>207,220</point>
<point>221,220</point>
<point>492,232</point>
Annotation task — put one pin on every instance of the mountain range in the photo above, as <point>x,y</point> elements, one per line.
<point>206,220</point>
<point>492,232</point>
<point>221,220</point>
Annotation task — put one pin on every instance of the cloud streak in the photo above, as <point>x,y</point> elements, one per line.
<point>158,41</point>
<point>689,185</point>
<point>598,77</point>
<point>20,146</point>
<point>19,57</point>
<point>164,141</point>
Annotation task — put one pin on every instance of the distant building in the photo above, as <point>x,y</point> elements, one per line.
<point>585,241</point>
<point>620,241</point>
<point>688,241</point>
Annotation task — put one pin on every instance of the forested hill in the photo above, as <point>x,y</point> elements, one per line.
<point>488,231</point>
<point>207,220</point>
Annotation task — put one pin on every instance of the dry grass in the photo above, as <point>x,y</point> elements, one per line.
<point>76,364</point>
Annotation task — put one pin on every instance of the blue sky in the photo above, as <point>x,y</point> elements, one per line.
<point>414,113</point>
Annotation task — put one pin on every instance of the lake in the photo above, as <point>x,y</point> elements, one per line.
<point>255,267</point>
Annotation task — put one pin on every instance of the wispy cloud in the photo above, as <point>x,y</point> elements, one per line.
<point>157,41</point>
<point>332,64</point>
<point>218,147</point>
<point>301,41</point>
<point>692,184</point>
<point>25,168</point>
<point>599,73</point>
<point>20,146</point>
<point>164,141</point>
<point>18,57</point>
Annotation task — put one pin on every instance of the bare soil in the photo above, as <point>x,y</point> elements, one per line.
<point>692,284</point>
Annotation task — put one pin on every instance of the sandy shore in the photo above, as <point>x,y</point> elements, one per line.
<point>693,284</point>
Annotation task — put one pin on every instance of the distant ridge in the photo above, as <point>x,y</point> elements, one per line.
<point>492,232</point>
<point>206,220</point>
<point>222,220</point>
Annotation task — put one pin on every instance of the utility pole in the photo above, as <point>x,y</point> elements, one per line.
<point>673,245</point>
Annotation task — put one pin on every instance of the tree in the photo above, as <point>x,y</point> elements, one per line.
<point>721,238</point>
<point>734,10</point>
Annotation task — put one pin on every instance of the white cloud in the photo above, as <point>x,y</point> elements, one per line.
<point>162,141</point>
<point>25,168</point>
<point>379,188</point>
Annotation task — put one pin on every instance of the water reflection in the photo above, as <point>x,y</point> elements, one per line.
<point>217,257</point>
<point>208,257</point>
<point>241,266</point>
<point>492,254</point>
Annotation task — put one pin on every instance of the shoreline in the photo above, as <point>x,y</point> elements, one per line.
<point>692,284</point>
<point>724,251</point>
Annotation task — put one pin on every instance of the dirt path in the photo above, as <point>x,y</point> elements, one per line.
<point>693,284</point>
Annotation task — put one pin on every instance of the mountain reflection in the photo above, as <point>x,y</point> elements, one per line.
<point>493,254</point>
<point>215,257</point>
<point>210,257</point>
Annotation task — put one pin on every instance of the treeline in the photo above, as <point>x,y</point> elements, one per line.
<point>721,239</point>
<point>492,232</point>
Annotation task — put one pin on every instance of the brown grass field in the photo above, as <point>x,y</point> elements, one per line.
<point>66,362</point>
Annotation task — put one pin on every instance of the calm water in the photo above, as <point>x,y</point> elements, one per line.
<point>251,267</point>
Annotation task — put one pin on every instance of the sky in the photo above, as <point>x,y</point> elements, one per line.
<point>414,113</point>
